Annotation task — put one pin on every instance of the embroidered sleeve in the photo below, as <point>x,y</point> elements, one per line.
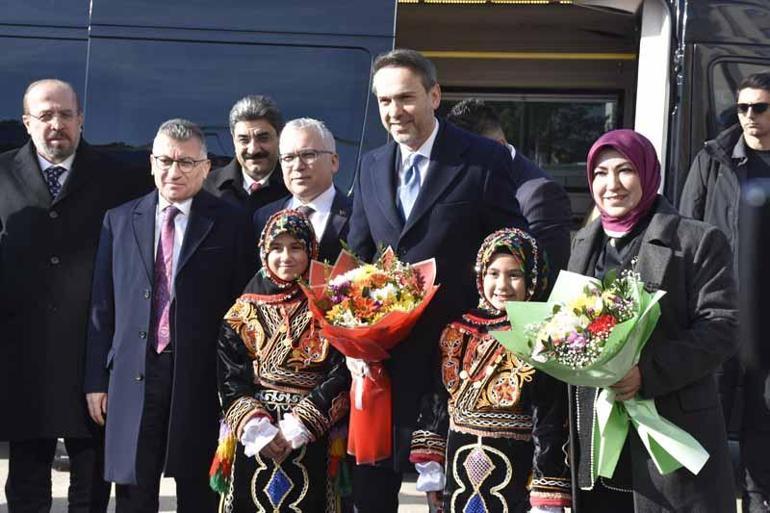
<point>550,481</point>
<point>241,410</point>
<point>429,440</point>
<point>427,446</point>
<point>328,402</point>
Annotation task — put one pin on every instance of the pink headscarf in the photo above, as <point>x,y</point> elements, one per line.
<point>640,151</point>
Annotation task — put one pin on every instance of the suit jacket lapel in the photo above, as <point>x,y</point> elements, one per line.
<point>384,178</point>
<point>143,222</point>
<point>445,164</point>
<point>30,176</point>
<point>198,226</point>
<point>338,217</point>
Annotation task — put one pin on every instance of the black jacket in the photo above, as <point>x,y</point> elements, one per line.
<point>50,245</point>
<point>227,183</point>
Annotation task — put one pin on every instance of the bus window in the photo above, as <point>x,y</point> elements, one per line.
<point>151,81</point>
<point>554,131</point>
<point>25,60</point>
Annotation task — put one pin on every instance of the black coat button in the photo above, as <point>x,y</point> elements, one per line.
<point>139,377</point>
<point>55,260</point>
<point>142,334</point>
<point>147,294</point>
<point>53,214</point>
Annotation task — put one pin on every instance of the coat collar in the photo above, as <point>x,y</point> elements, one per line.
<point>655,251</point>
<point>338,218</point>
<point>198,226</point>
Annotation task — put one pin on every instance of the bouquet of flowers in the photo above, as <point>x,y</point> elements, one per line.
<point>591,333</point>
<point>364,310</point>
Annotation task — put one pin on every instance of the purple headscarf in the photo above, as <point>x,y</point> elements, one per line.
<point>640,151</point>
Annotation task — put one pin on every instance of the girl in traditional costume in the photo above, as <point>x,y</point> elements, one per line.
<point>493,437</point>
<point>282,385</point>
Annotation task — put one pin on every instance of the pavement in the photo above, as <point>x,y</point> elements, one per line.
<point>410,500</point>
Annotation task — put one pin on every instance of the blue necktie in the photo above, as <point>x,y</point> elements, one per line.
<point>52,175</point>
<point>410,186</point>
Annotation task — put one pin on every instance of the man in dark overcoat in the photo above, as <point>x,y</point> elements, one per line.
<point>253,178</point>
<point>168,267</point>
<point>54,192</point>
<point>436,191</point>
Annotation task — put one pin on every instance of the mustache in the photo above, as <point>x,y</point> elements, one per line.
<point>257,155</point>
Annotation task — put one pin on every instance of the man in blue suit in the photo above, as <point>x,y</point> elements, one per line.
<point>435,191</point>
<point>168,266</point>
<point>543,201</point>
<point>309,162</point>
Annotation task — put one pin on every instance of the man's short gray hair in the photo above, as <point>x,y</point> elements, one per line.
<point>182,130</point>
<point>318,127</point>
<point>254,108</point>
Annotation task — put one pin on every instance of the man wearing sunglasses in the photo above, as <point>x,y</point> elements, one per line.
<point>712,193</point>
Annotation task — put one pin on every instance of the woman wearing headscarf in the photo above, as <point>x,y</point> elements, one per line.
<point>496,425</point>
<point>639,230</point>
<point>282,385</point>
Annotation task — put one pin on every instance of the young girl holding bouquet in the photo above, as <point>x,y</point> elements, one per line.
<point>282,385</point>
<point>493,437</point>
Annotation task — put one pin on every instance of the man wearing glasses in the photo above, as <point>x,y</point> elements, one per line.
<point>712,193</point>
<point>253,178</point>
<point>54,192</point>
<point>168,266</point>
<point>309,162</point>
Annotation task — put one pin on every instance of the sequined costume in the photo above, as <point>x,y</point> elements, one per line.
<point>272,361</point>
<point>497,425</point>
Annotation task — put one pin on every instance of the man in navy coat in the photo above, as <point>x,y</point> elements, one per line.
<point>435,191</point>
<point>168,266</point>
<point>309,161</point>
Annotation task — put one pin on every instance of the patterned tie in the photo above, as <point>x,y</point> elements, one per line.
<point>161,297</point>
<point>410,187</point>
<point>52,175</point>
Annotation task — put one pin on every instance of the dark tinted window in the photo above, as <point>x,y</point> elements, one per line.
<point>24,60</point>
<point>59,13</point>
<point>301,16</point>
<point>136,85</point>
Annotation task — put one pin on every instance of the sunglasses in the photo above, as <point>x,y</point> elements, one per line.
<point>758,108</point>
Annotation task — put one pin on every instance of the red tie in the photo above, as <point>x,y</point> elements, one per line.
<point>255,186</point>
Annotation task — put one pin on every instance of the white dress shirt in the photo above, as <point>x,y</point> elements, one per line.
<point>66,164</point>
<point>322,207</point>
<point>247,180</point>
<point>424,150</point>
<point>180,226</point>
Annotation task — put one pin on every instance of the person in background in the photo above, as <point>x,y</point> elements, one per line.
<point>543,201</point>
<point>253,178</point>
<point>168,266</point>
<point>639,231</point>
<point>496,425</point>
<point>712,193</point>
<point>435,191</point>
<point>54,191</point>
<point>309,162</point>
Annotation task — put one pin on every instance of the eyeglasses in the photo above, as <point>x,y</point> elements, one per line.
<point>184,165</point>
<point>65,116</point>
<point>306,156</point>
<point>758,108</point>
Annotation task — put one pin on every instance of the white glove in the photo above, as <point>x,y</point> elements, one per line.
<point>547,509</point>
<point>294,431</point>
<point>431,478</point>
<point>257,433</point>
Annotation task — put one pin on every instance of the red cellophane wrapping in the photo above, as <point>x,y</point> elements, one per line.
<point>370,430</point>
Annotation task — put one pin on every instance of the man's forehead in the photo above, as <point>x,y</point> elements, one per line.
<point>255,127</point>
<point>306,136</point>
<point>750,92</point>
<point>191,147</point>
<point>51,93</point>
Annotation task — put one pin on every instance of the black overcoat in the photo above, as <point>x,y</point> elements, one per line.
<point>48,253</point>
<point>691,261</point>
